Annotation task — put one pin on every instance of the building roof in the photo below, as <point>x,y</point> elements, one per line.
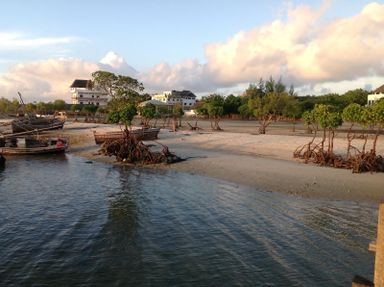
<point>183,94</point>
<point>379,90</point>
<point>87,84</point>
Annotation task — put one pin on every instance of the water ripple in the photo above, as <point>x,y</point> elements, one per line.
<point>67,223</point>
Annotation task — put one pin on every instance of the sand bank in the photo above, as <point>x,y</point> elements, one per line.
<point>261,161</point>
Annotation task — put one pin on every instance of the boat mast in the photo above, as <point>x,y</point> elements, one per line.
<point>22,102</point>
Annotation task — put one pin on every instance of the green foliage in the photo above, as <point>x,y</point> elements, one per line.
<point>292,108</point>
<point>254,91</point>
<point>75,108</point>
<point>271,86</point>
<point>308,118</point>
<point>358,96</point>
<point>231,104</point>
<point>7,106</point>
<point>378,113</point>
<point>352,113</point>
<point>245,111</point>
<point>215,105</point>
<point>59,105</point>
<point>339,102</point>
<point>30,108</point>
<point>177,111</point>
<point>162,111</point>
<point>367,117</point>
<point>126,114</point>
<point>274,104</point>
<point>326,117</point>
<point>121,89</point>
<point>201,108</point>
<point>105,81</point>
<point>148,111</point>
<point>91,109</point>
<point>113,117</point>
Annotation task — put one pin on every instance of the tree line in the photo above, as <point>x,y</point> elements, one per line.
<point>267,101</point>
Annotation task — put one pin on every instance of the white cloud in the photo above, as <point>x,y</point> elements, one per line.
<point>189,74</point>
<point>12,41</point>
<point>50,79</point>
<point>305,48</point>
<point>116,64</point>
<point>44,80</point>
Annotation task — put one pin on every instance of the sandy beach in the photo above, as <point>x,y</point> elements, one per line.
<point>263,162</point>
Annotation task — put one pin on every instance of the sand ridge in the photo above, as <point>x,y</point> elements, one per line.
<point>263,162</point>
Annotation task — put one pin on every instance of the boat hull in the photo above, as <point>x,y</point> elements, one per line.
<point>31,151</point>
<point>19,126</point>
<point>32,146</point>
<point>142,135</point>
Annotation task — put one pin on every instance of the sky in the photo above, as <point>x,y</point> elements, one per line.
<point>205,46</point>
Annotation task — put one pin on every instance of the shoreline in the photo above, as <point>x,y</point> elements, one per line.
<point>263,162</point>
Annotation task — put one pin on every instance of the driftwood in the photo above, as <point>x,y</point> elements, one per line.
<point>193,127</point>
<point>130,150</point>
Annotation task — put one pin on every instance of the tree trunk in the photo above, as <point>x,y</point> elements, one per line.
<point>374,145</point>
<point>323,140</point>
<point>294,125</point>
<point>349,138</point>
<point>174,124</point>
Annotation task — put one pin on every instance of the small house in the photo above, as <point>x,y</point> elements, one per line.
<point>376,95</point>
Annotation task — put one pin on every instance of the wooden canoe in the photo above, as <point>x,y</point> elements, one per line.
<point>31,124</point>
<point>142,135</point>
<point>28,146</point>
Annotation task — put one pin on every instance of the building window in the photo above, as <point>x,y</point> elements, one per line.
<point>81,96</point>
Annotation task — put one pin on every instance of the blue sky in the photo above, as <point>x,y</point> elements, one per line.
<point>171,41</point>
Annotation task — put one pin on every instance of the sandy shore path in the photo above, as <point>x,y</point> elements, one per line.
<point>261,161</point>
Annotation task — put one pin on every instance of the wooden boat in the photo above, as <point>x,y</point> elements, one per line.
<point>142,135</point>
<point>32,145</point>
<point>31,123</point>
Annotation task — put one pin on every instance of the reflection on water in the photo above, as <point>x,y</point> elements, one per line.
<point>67,223</point>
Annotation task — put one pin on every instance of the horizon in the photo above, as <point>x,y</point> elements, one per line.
<point>319,47</point>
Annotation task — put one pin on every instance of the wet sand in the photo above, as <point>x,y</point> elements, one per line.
<point>261,161</point>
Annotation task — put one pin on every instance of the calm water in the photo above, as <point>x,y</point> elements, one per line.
<point>65,222</point>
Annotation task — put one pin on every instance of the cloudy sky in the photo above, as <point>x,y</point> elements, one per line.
<point>205,46</point>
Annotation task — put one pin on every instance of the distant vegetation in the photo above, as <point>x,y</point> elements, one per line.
<point>267,101</point>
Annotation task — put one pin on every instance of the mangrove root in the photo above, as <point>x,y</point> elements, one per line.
<point>128,149</point>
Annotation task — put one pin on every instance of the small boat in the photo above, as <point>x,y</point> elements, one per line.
<point>31,123</point>
<point>140,134</point>
<point>32,145</point>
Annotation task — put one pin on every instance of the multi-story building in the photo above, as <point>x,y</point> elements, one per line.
<point>376,95</point>
<point>185,98</point>
<point>82,93</point>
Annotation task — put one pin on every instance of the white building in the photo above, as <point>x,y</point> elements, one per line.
<point>82,93</point>
<point>376,95</point>
<point>186,98</point>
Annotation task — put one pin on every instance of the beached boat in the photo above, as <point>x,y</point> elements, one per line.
<point>32,145</point>
<point>31,123</point>
<point>142,135</point>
